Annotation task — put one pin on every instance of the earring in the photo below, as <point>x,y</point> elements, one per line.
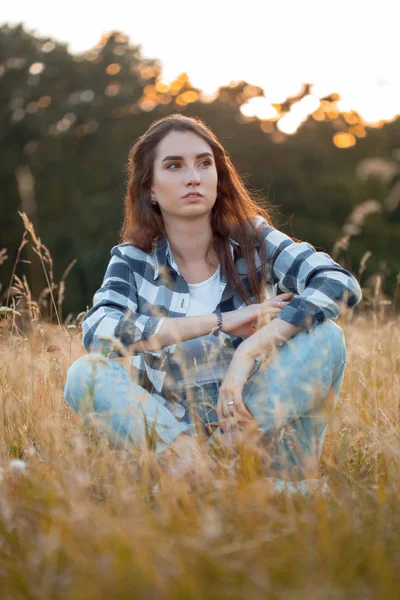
<point>153,201</point>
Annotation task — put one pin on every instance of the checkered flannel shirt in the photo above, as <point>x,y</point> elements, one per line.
<point>140,289</point>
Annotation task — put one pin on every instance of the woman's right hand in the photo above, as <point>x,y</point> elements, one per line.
<point>241,322</point>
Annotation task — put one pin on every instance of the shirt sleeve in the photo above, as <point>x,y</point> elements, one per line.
<point>113,322</point>
<point>321,285</point>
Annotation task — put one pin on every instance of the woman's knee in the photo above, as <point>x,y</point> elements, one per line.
<point>336,339</point>
<point>81,377</point>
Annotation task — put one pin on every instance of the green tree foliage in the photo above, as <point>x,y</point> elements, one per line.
<point>71,120</point>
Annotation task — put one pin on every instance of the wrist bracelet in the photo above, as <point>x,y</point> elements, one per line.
<point>215,331</point>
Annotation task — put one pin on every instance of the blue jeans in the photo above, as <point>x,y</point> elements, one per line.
<point>291,394</point>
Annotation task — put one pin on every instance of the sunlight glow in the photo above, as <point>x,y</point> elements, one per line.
<point>344,140</point>
<point>276,47</point>
<point>259,107</point>
<point>299,112</point>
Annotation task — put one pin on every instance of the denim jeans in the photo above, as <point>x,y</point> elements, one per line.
<point>291,394</point>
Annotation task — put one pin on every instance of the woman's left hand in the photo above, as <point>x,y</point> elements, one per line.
<point>234,416</point>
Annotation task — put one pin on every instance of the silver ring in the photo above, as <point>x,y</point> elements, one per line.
<point>230,402</point>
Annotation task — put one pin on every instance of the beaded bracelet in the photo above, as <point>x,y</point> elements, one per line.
<point>215,330</point>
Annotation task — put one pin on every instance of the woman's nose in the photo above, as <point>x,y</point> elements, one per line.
<point>192,176</point>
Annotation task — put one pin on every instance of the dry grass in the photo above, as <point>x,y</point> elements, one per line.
<point>78,519</point>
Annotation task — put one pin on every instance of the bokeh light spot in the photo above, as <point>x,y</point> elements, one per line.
<point>44,101</point>
<point>48,47</point>
<point>113,69</point>
<point>15,63</point>
<point>148,72</point>
<point>344,140</point>
<point>113,89</point>
<point>32,107</point>
<point>36,68</point>
<point>87,96</point>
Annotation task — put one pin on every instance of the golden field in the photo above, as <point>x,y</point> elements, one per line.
<point>78,518</point>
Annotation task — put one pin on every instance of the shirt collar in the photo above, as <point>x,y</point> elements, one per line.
<point>162,254</point>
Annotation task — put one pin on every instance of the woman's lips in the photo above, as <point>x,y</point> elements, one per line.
<point>198,194</point>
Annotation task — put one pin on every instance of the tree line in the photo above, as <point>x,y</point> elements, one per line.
<point>67,123</point>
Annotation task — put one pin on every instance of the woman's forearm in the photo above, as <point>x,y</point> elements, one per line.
<point>177,330</point>
<point>268,337</point>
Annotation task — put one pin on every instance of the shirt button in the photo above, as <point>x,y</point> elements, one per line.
<point>227,342</point>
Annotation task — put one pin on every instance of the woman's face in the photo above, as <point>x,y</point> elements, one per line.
<point>184,164</point>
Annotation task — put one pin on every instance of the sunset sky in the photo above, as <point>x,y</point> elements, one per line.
<point>349,47</point>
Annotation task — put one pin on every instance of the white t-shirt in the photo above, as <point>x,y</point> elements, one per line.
<point>204,296</point>
<point>204,359</point>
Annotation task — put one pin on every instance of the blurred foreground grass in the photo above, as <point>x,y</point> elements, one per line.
<point>78,519</point>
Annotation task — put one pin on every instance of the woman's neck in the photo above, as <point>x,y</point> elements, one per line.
<point>189,241</point>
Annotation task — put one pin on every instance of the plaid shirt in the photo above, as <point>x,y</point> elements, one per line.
<point>140,289</point>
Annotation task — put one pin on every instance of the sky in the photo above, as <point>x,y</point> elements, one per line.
<point>348,47</point>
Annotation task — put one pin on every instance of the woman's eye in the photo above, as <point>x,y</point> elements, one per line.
<point>206,162</point>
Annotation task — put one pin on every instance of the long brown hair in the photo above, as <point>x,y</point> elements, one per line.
<point>231,215</point>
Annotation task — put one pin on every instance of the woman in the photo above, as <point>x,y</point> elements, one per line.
<point>191,295</point>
